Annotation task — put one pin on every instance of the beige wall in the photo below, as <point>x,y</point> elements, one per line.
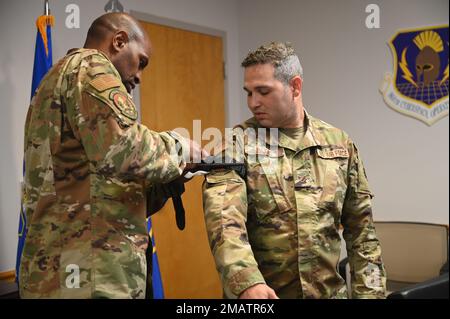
<point>407,162</point>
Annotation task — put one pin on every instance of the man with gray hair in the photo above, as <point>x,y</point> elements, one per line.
<point>275,232</point>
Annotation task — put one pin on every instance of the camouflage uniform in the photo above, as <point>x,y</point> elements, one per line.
<point>88,165</point>
<point>281,225</point>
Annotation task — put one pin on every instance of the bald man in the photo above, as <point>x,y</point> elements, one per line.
<point>88,166</point>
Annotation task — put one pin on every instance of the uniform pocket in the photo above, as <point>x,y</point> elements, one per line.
<point>266,191</point>
<point>333,163</point>
<point>215,189</point>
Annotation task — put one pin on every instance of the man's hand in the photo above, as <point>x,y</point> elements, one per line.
<point>196,152</point>
<point>259,291</point>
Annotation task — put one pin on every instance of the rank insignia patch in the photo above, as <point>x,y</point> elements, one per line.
<point>419,85</point>
<point>123,103</point>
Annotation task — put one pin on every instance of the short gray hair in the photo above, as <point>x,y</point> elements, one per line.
<point>281,55</point>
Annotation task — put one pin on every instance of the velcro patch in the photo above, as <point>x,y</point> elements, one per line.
<point>333,153</point>
<point>105,82</point>
<point>123,103</point>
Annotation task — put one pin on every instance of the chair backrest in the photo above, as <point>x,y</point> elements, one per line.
<point>412,252</point>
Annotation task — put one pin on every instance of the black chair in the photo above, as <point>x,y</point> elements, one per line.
<point>9,290</point>
<point>436,288</point>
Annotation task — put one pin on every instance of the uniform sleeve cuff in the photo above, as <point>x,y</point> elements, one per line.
<point>181,149</point>
<point>242,280</point>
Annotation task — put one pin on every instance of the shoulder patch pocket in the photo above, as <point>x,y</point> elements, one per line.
<point>219,177</point>
<point>108,89</point>
<point>124,103</point>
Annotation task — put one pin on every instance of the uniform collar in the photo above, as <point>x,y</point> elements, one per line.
<point>275,137</point>
<point>86,52</point>
<point>312,137</point>
<point>82,50</point>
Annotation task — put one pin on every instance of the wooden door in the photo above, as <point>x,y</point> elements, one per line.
<point>184,82</point>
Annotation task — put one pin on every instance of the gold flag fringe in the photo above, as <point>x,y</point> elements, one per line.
<point>41,23</point>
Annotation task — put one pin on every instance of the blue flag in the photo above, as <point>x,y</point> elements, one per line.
<point>158,291</point>
<point>42,63</point>
<point>43,51</point>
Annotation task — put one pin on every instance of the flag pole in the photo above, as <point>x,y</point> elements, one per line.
<point>46,9</point>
